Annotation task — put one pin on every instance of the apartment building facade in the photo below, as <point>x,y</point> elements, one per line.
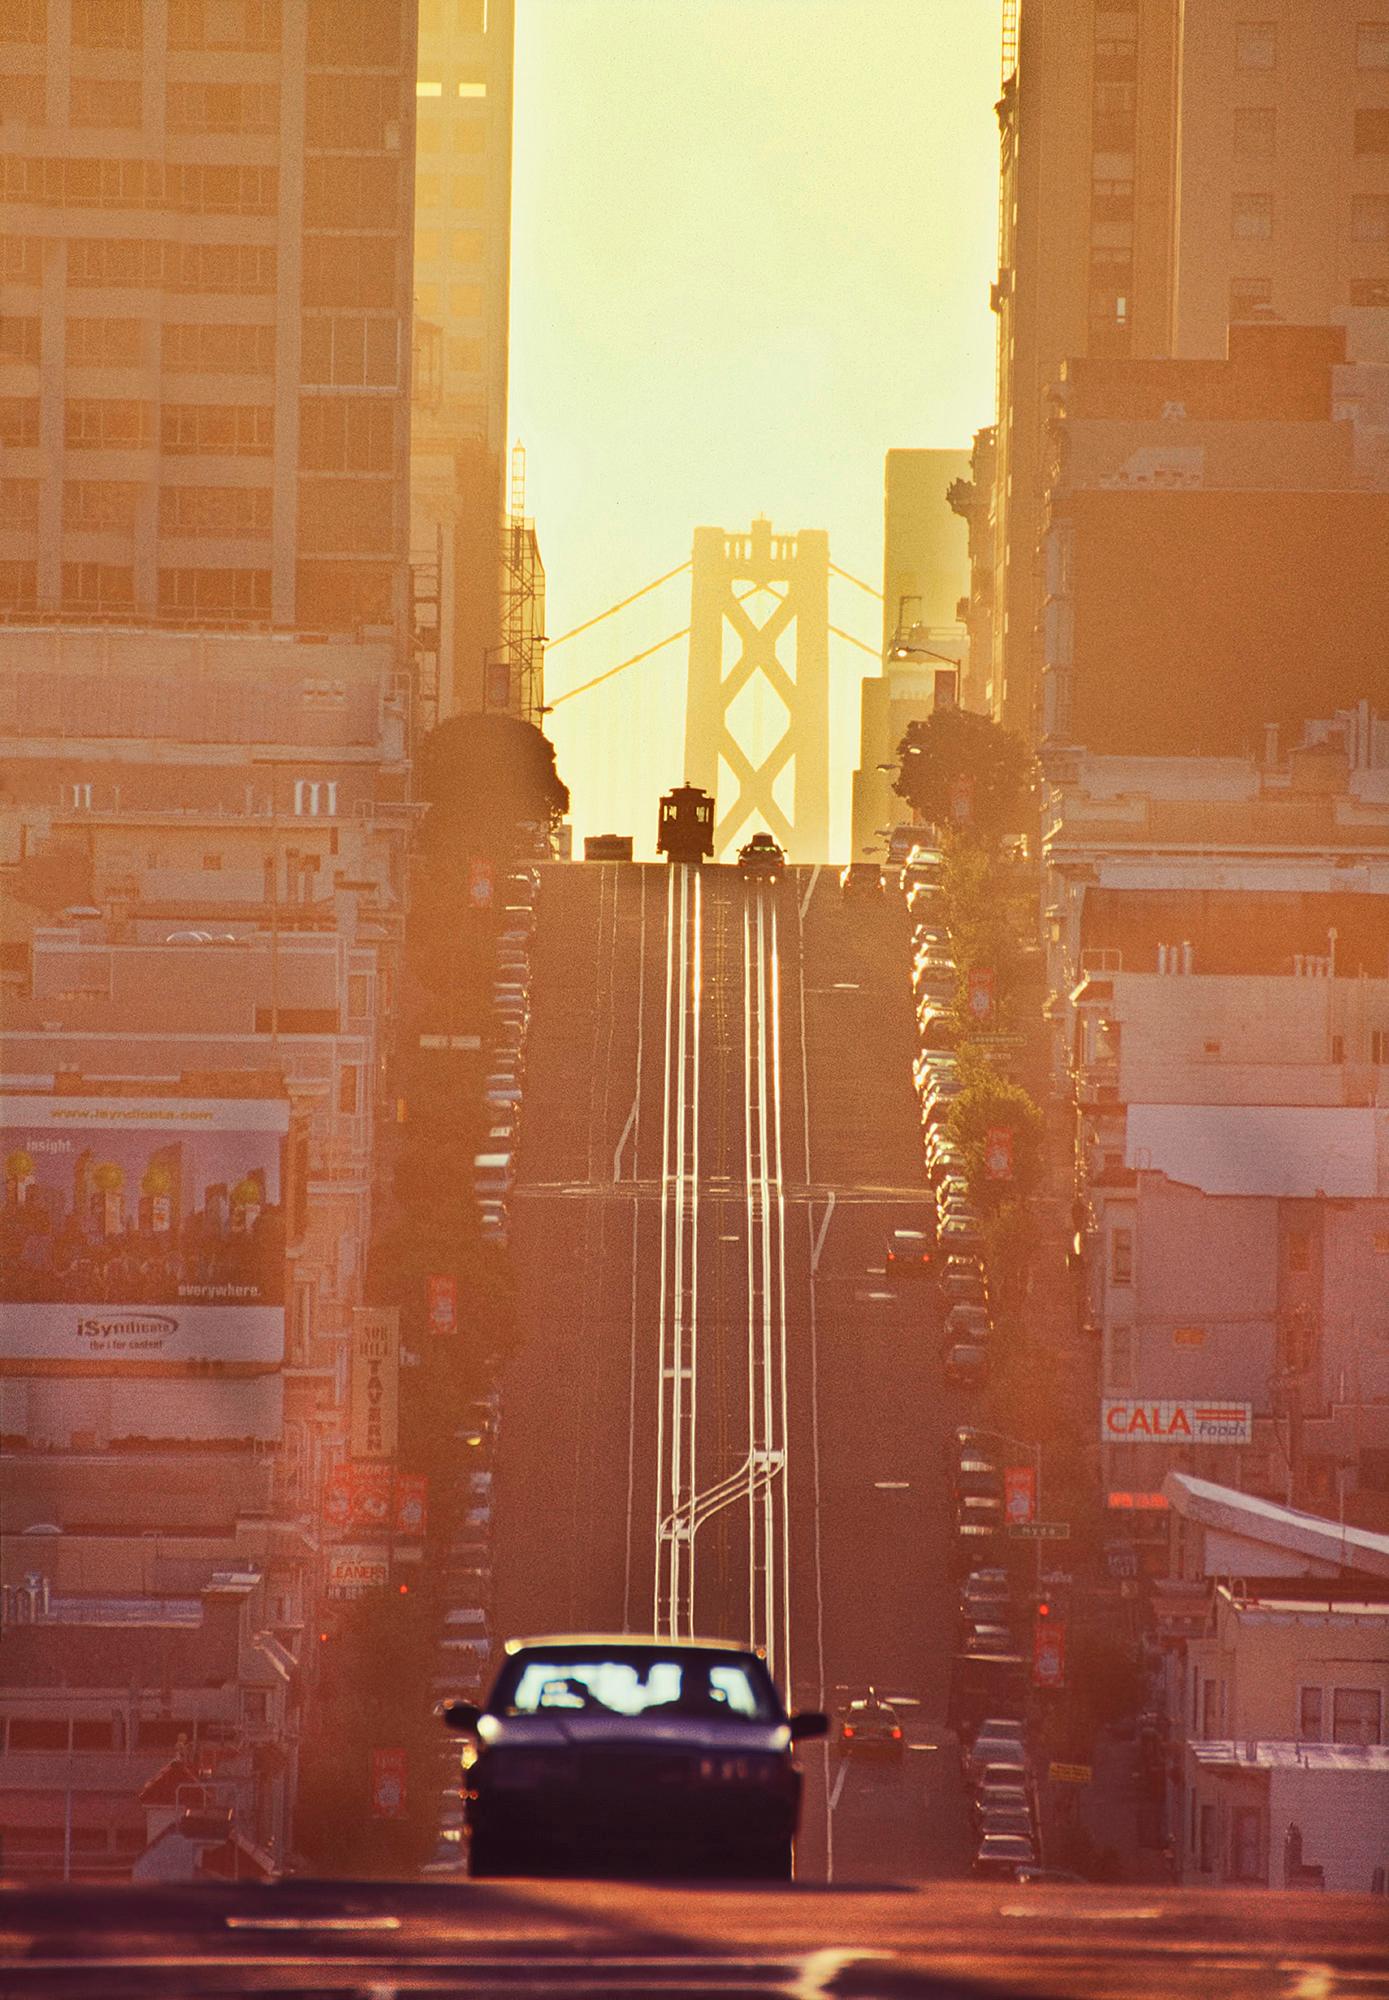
<point>1217,943</point>
<point>1168,171</point>
<point>461,301</point>
<point>205,363</point>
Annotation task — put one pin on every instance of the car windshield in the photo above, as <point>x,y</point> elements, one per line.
<point>631,1683</point>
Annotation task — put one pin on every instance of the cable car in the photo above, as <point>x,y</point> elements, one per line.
<point>686,828</point>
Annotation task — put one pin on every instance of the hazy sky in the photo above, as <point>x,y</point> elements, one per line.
<point>753,242</point>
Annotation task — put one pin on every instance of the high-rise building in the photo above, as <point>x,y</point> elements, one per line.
<point>462,285</point>
<point>1166,170</point>
<point>925,573</point>
<point>205,352</point>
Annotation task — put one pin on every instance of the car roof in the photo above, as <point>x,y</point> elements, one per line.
<point>629,1640</point>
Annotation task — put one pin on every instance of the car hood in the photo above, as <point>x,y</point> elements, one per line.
<point>581,1732</point>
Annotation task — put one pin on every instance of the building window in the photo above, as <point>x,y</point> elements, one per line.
<point>1379,1045</point>
<point>1250,298</point>
<point>343,32</point>
<point>213,24</point>
<point>104,343</point>
<point>1310,1728</point>
<point>19,340</point>
<point>1208,1709</point>
<point>104,100</point>
<point>237,430</point>
<point>1255,132</point>
<point>107,424</point>
<point>1299,1250</point>
<point>19,503</point>
<point>96,506</point>
<point>346,516</point>
<point>19,585</point>
<point>21,260</point>
<point>352,114</point>
<point>1121,1257</point>
<point>223,107</point>
<point>215,593</point>
<point>468,135</point>
<point>468,191</point>
<point>206,348</point>
<point>353,193</point>
<point>464,355</point>
<point>1355,1715</point>
<point>107,24</point>
<point>1206,1838</point>
<point>1372,45</point>
<point>1256,44</point>
<point>1372,132</point>
<point>338,596</point>
<point>78,797</point>
<point>38,1732</point>
<point>350,351</point>
<point>472,89</point>
<point>237,512</point>
<point>349,270</point>
<point>89,586</point>
<point>345,435</point>
<point>19,421</point>
<point>472,17</point>
<point>347,1090</point>
<point>315,795</point>
<point>1369,218</point>
<point>1369,292</point>
<point>465,301</point>
<point>1246,1845</point>
<point>24,21</point>
<point>1252,216</point>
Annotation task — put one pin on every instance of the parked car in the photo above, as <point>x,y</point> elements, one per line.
<point>960,1232</point>
<point>597,1752</point>
<point>962,1278</point>
<point>1014,1820</point>
<point>967,1364</point>
<point>1000,1856</point>
<point>861,880</point>
<point>1000,1798</point>
<point>975,1478</point>
<point>967,1323</point>
<point>994,1762</point>
<point>982,1591</point>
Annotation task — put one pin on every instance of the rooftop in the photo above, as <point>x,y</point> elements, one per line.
<point>1278,1756</point>
<point>1292,1150</point>
<point>1285,1530</point>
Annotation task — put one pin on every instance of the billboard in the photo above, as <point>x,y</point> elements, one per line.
<point>374,1383</point>
<point>1196,1420</point>
<point>142,1232</point>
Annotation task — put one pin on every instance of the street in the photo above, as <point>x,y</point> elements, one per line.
<point>723,1420</point>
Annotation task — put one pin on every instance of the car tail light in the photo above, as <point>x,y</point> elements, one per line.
<point>897,1736</point>
<point>847,1730</point>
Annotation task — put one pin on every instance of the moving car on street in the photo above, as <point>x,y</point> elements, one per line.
<point>869,1724</point>
<point>761,859</point>
<point>861,881</point>
<point>634,1756</point>
<point>910,1254</point>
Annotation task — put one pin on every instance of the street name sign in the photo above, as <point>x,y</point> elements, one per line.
<point>1071,1774</point>
<point>1039,1531</point>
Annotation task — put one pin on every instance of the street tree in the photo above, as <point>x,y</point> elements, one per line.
<point>963,770</point>
<point>485,778</point>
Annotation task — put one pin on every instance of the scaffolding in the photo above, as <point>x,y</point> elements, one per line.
<point>523,602</point>
<point>1010,38</point>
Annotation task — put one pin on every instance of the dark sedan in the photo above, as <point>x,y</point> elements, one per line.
<point>631,1756</point>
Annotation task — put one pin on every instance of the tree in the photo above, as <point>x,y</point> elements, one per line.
<point>992,1103</point>
<point>952,745</point>
<point>483,778</point>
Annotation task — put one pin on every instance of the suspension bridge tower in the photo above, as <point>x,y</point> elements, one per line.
<point>757,706</point>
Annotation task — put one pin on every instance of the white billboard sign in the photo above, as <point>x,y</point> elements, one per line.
<point>1190,1420</point>
<point>353,1569</point>
<point>142,1233</point>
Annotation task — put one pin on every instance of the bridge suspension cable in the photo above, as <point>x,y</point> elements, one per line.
<point>588,623</point>
<point>849,577</point>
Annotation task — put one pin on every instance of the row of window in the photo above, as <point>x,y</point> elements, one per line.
<point>336,516</point>
<point>1252,298</point>
<point>247,268</point>
<point>120,24</point>
<point>459,301</point>
<point>111,423</point>
<point>352,192</point>
<point>345,351</point>
<point>1256,44</point>
<point>457,192</point>
<point>460,246</point>
<point>462,17</point>
<point>334,436</point>
<point>103,101</point>
<point>193,187</point>
<point>350,270</point>
<point>348,114</point>
<point>437,134</point>
<point>77,1733</point>
<point>1350,1715</point>
<point>1251,218</point>
<point>333,596</point>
